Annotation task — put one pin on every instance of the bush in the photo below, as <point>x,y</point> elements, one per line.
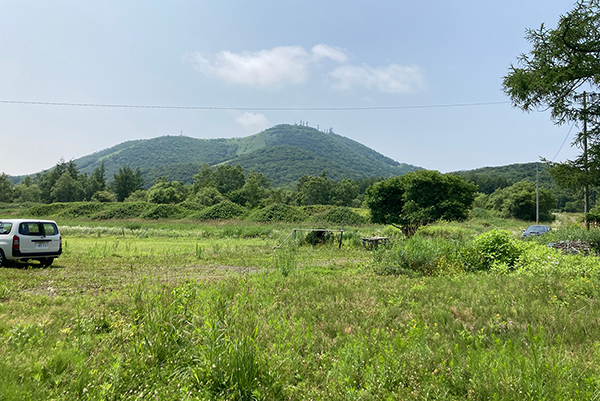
<point>208,196</point>
<point>221,211</point>
<point>81,210</point>
<point>313,210</point>
<point>166,211</point>
<point>491,248</point>
<point>341,215</point>
<point>104,197</point>
<point>127,210</point>
<point>278,212</point>
<point>48,210</point>
<point>140,195</point>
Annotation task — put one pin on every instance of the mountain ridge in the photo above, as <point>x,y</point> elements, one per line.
<point>283,153</point>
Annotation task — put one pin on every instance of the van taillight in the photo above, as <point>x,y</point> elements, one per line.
<point>15,245</point>
<point>60,244</point>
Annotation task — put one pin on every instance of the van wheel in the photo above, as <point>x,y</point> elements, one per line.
<point>2,259</point>
<point>46,261</point>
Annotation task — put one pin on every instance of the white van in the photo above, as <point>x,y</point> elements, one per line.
<point>29,239</point>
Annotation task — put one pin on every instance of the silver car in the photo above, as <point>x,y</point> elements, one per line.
<point>29,239</point>
<point>535,230</point>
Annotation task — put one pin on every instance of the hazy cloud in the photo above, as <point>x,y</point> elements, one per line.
<point>263,69</point>
<point>253,121</point>
<point>333,53</point>
<point>273,68</point>
<point>391,79</point>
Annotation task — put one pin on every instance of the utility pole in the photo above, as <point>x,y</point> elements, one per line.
<point>537,193</point>
<point>586,192</point>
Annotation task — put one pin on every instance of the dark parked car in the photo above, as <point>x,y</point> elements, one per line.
<point>535,230</point>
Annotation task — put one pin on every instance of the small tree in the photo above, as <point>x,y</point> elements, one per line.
<point>127,181</point>
<point>67,189</point>
<point>519,201</point>
<point>418,198</point>
<point>164,191</point>
<point>204,178</point>
<point>314,190</point>
<point>344,192</point>
<point>6,188</point>
<point>228,178</point>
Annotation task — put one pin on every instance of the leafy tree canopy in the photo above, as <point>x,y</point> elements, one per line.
<point>558,74</point>
<point>519,201</point>
<point>164,191</point>
<point>127,181</point>
<point>6,188</point>
<point>562,62</point>
<point>418,198</point>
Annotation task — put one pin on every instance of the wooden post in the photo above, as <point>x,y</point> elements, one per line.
<point>341,237</point>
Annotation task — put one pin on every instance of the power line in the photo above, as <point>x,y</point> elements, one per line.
<point>136,106</point>
<point>563,144</point>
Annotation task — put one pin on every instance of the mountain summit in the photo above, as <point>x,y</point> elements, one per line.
<point>283,153</point>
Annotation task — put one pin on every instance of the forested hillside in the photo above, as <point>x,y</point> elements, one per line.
<point>488,179</point>
<point>284,154</point>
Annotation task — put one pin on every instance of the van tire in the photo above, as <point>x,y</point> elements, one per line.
<point>46,261</point>
<point>2,259</point>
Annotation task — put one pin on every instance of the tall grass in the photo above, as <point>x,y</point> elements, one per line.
<point>155,317</point>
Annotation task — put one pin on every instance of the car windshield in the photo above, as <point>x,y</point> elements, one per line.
<point>537,229</point>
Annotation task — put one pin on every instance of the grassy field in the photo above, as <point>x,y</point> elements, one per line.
<point>183,311</point>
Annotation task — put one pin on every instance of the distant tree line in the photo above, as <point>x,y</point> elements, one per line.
<point>211,185</point>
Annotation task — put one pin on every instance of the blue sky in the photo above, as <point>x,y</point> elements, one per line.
<point>265,54</point>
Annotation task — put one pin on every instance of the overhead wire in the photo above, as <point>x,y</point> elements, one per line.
<point>563,144</point>
<point>137,106</point>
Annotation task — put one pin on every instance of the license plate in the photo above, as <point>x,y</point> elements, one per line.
<point>41,245</point>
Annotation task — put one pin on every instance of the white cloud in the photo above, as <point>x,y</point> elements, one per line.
<point>253,121</point>
<point>391,79</point>
<point>323,51</point>
<point>263,69</point>
<point>274,68</point>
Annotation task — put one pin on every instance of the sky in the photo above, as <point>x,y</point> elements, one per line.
<point>436,65</point>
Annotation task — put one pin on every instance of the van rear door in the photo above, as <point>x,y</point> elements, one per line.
<point>38,238</point>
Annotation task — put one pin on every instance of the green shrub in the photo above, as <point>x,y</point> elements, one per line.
<point>81,210</point>
<point>140,195</point>
<point>492,248</point>
<point>341,215</point>
<point>278,212</point>
<point>127,210</point>
<point>313,210</point>
<point>51,209</point>
<point>104,197</point>
<point>166,211</point>
<point>221,211</point>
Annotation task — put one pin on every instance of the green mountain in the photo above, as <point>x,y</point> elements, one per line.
<point>489,179</point>
<point>283,153</point>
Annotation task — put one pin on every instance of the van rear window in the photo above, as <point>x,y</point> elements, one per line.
<point>50,228</point>
<point>34,228</point>
<point>5,228</point>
